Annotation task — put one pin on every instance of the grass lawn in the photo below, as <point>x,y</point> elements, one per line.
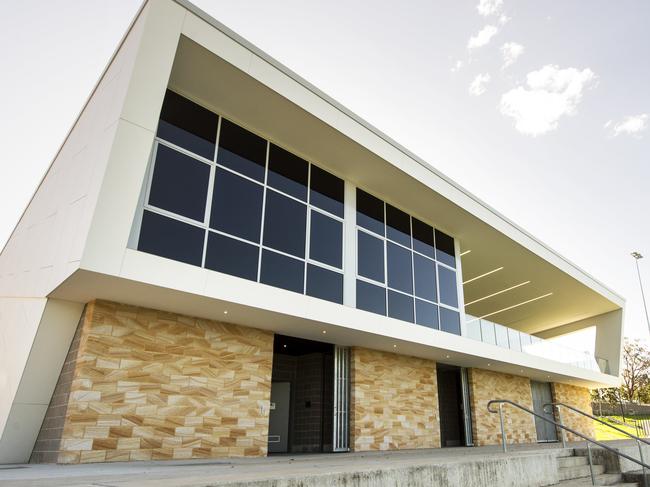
<point>605,433</point>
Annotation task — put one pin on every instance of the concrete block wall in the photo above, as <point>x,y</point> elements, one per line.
<point>486,385</point>
<point>155,385</point>
<point>580,398</point>
<point>394,401</point>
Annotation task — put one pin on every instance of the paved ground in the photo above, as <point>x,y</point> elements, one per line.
<point>213,472</point>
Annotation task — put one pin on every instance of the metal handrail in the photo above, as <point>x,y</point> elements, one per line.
<point>589,441</point>
<point>595,418</point>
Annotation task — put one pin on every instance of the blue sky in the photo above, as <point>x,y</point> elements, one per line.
<point>539,108</point>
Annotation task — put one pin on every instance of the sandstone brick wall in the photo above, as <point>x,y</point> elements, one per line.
<point>394,401</point>
<point>155,385</point>
<point>578,397</point>
<point>519,425</point>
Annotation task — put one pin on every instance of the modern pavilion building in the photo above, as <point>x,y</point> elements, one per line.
<point>223,261</point>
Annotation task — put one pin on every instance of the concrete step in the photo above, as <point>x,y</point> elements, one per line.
<point>610,479</point>
<point>572,461</point>
<point>579,471</point>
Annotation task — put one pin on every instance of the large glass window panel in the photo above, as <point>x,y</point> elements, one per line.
<point>449,321</point>
<point>241,150</point>
<point>179,183</point>
<point>370,212</point>
<point>423,238</point>
<point>236,205</point>
<point>400,306</point>
<point>445,251</point>
<point>426,314</point>
<point>285,224</point>
<point>400,275</point>
<point>324,284</point>
<point>326,191</point>
<point>370,256</point>
<point>231,256</point>
<point>398,226</point>
<point>169,238</point>
<point>326,240</point>
<point>448,288</point>
<point>288,172</point>
<point>425,277</point>
<point>371,298</point>
<point>188,125</point>
<point>282,271</point>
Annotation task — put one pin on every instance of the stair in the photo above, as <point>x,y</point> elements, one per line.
<point>574,472</point>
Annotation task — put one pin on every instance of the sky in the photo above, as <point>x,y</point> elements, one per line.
<point>541,109</point>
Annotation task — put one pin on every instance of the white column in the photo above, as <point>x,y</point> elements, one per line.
<point>459,287</point>
<point>350,246</point>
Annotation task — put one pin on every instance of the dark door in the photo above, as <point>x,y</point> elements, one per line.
<point>541,392</point>
<point>450,406</point>
<point>279,417</point>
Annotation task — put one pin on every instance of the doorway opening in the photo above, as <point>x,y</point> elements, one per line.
<point>542,394</point>
<point>453,406</point>
<point>302,396</point>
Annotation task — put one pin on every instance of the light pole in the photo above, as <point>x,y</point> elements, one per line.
<point>637,256</point>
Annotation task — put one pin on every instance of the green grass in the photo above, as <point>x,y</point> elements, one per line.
<point>605,433</point>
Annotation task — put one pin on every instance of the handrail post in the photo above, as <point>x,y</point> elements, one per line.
<point>562,430</point>
<point>645,480</point>
<point>503,431</point>
<point>591,464</point>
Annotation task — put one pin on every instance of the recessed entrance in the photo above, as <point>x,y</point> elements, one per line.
<point>302,396</point>
<point>453,406</point>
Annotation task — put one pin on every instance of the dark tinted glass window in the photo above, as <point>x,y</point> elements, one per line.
<point>241,150</point>
<point>188,125</point>
<point>445,252</point>
<point>326,240</point>
<point>371,298</point>
<point>281,271</point>
<point>400,306</point>
<point>326,191</point>
<point>425,277</point>
<point>288,172</point>
<point>422,238</point>
<point>398,225</point>
<point>449,321</point>
<point>285,222</point>
<point>169,238</point>
<point>400,275</point>
<point>370,212</point>
<point>179,184</point>
<point>370,256</point>
<point>448,289</point>
<point>231,256</point>
<point>426,314</point>
<point>324,284</point>
<point>236,205</point>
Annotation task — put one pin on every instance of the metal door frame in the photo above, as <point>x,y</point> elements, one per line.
<point>341,423</point>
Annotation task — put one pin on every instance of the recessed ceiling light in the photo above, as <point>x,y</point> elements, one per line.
<point>225,312</point>
<point>285,345</point>
<point>485,274</point>
<point>394,346</point>
<point>447,356</point>
<point>465,252</point>
<point>489,365</point>
<point>324,331</point>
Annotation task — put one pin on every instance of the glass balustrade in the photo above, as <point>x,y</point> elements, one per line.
<point>495,334</point>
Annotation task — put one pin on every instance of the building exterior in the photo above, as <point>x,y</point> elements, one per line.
<point>223,261</point>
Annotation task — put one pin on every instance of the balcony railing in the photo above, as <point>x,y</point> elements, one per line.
<point>489,332</point>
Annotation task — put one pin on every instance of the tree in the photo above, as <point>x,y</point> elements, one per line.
<point>636,370</point>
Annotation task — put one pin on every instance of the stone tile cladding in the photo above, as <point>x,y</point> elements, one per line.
<point>519,425</point>
<point>155,385</point>
<point>394,401</point>
<point>578,397</point>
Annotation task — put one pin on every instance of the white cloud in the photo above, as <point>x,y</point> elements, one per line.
<point>632,125</point>
<point>504,19</point>
<point>489,7</point>
<point>511,51</point>
<point>551,94</point>
<point>479,84</point>
<point>483,37</point>
<point>457,66</point>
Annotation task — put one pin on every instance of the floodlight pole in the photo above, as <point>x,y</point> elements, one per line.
<point>637,256</point>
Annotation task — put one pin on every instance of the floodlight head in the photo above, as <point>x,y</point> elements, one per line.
<point>636,255</point>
